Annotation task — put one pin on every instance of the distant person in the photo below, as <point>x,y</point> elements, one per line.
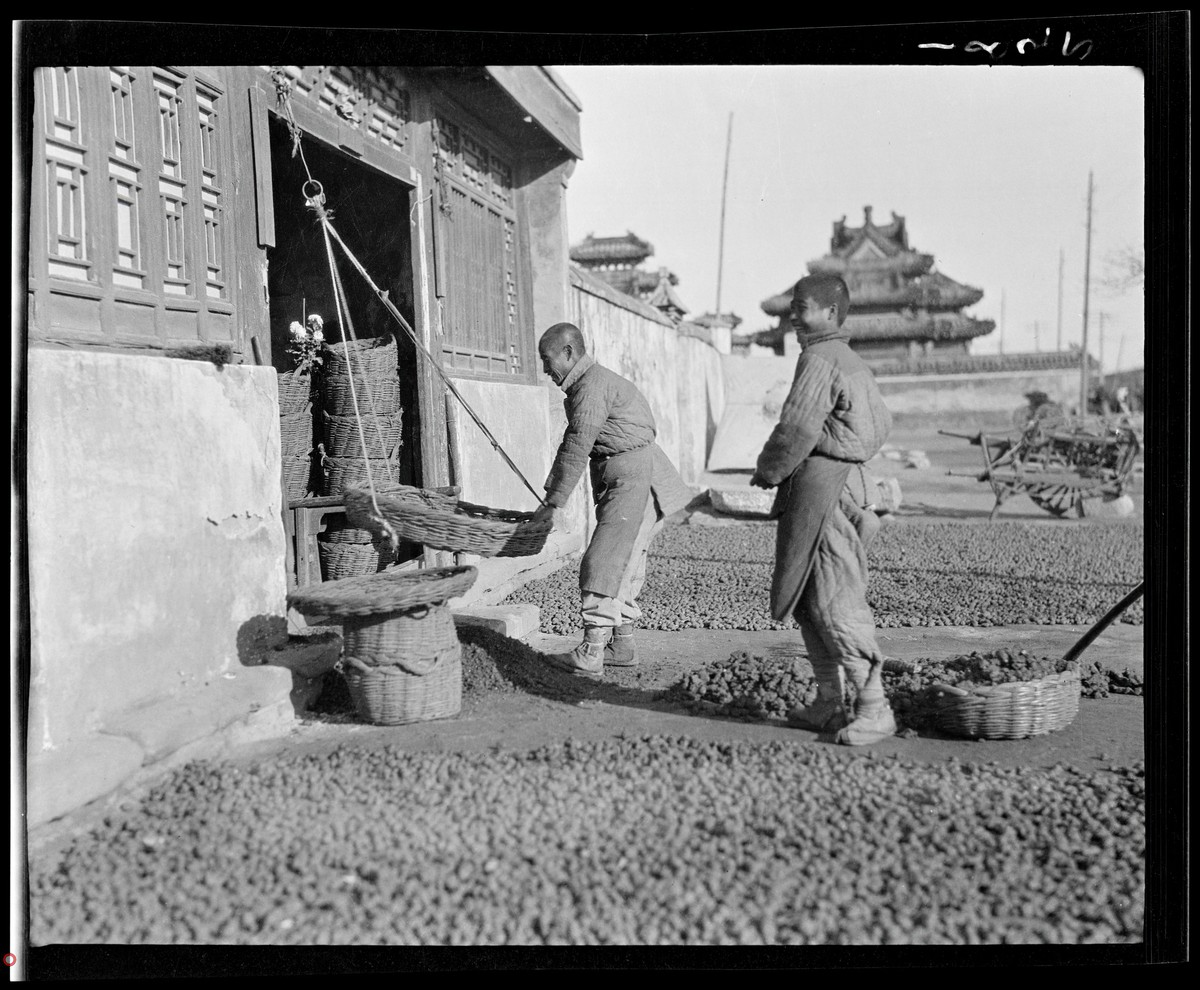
<point>610,430</point>
<point>834,418</point>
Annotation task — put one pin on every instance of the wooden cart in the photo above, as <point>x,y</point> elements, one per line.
<point>1057,463</point>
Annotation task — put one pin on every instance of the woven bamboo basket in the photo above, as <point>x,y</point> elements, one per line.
<point>376,396</point>
<point>382,434</point>
<point>295,392</point>
<point>465,528</point>
<point>371,356</point>
<point>395,695</point>
<point>341,560</point>
<point>1015,710</point>
<point>412,638</point>
<point>297,472</point>
<point>296,434</point>
<point>385,593</point>
<point>346,472</point>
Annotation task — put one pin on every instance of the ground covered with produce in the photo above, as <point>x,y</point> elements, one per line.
<point>922,573</point>
<point>634,841</point>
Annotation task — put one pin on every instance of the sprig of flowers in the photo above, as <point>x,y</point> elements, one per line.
<point>304,347</point>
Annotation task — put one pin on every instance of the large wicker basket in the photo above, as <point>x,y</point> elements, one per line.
<point>296,434</point>
<point>371,356</point>
<point>395,695</point>
<point>376,396</point>
<point>382,434</point>
<point>346,472</point>
<point>297,471</point>
<point>465,528</point>
<point>295,392</point>
<point>1015,710</point>
<point>347,560</point>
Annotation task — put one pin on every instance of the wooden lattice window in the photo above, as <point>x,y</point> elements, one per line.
<point>477,254</point>
<point>133,178</point>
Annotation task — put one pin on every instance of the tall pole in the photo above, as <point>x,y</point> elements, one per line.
<point>1058,345</point>
<point>1101,343</point>
<point>1037,344</point>
<point>1001,321</point>
<point>1120,348</point>
<point>1087,275</point>
<point>724,187</point>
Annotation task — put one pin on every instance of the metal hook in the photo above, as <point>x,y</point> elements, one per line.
<point>318,197</point>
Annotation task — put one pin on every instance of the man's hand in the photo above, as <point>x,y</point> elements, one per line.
<point>547,513</point>
<point>758,481</point>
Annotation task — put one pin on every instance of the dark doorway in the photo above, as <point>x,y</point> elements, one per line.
<point>370,210</point>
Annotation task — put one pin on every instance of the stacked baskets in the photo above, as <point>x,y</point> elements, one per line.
<point>295,432</point>
<point>402,660</point>
<point>361,405</point>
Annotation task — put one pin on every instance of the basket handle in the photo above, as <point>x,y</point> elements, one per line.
<point>950,689</point>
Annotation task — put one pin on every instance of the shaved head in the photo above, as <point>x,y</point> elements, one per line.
<point>565,333</point>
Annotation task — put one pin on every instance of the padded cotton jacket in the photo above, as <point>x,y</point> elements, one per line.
<point>834,408</point>
<point>606,415</point>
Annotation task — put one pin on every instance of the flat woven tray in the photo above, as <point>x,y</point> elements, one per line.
<point>383,593</point>
<point>463,528</point>
<point>1015,710</point>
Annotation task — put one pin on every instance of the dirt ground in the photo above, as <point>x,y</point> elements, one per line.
<point>1106,733</point>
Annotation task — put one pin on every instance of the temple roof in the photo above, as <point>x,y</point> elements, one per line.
<point>665,297</point>
<point>889,239</point>
<point>900,326</point>
<point>901,263</point>
<point>629,248</point>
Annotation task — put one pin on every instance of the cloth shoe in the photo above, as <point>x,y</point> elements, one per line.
<point>872,723</point>
<point>587,659</point>
<point>826,714</point>
<point>621,650</point>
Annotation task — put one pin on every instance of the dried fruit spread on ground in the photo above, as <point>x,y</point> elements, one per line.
<point>921,574</point>
<point>747,685</point>
<point>654,840</point>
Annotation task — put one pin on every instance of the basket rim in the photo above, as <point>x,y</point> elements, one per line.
<point>976,691</point>
<point>384,592</point>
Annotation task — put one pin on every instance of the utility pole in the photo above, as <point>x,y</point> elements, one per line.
<point>1120,348</point>
<point>1001,321</point>
<point>1060,284</point>
<point>1037,345</point>
<point>1087,274</point>
<point>724,188</point>
<point>1101,343</point>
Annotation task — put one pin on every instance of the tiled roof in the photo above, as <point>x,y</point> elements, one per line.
<point>628,247</point>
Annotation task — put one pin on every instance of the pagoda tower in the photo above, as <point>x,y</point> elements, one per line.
<point>618,261</point>
<point>900,306</point>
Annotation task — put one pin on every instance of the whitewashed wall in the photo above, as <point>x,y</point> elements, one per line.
<point>677,368</point>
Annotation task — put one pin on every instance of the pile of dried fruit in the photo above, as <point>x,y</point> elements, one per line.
<point>921,574</point>
<point>751,686</point>
<point>654,840</point>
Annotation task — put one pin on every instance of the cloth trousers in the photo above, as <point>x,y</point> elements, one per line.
<point>609,611</point>
<point>836,622</point>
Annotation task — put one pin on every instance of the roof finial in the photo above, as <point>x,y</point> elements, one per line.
<point>867,215</point>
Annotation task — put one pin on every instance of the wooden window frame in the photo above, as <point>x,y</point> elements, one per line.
<point>114,313</point>
<point>445,109</point>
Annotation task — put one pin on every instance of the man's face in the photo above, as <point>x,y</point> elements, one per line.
<point>557,359</point>
<point>810,317</point>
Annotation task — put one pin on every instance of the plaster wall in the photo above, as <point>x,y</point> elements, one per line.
<point>756,387</point>
<point>156,546</point>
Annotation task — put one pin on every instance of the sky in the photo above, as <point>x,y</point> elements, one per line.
<point>987,164</point>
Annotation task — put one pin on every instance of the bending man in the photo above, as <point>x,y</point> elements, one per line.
<point>610,429</point>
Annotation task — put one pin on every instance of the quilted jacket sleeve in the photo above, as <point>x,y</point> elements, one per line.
<point>801,421</point>
<point>587,411</point>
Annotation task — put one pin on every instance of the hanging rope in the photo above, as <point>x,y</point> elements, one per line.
<point>283,89</point>
<point>412,335</point>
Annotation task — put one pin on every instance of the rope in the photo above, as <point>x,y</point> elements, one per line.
<point>283,89</point>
